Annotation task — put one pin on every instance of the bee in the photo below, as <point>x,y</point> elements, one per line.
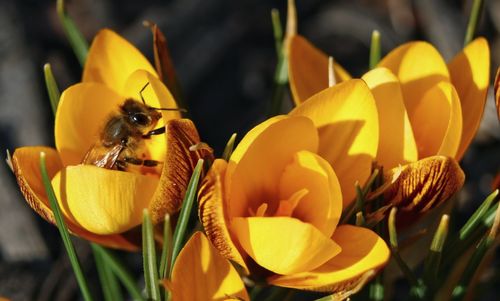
<point>123,135</point>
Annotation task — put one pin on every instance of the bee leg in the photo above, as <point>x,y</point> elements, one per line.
<point>121,165</point>
<point>157,131</point>
<point>136,161</point>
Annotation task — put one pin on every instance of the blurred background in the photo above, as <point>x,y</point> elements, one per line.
<point>224,54</point>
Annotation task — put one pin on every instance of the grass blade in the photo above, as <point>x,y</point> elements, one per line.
<point>110,288</point>
<point>166,252</point>
<point>182,223</point>
<point>75,37</point>
<point>375,49</point>
<point>120,271</point>
<point>63,230</point>
<point>228,150</point>
<point>149,258</point>
<point>52,88</point>
<point>477,7</point>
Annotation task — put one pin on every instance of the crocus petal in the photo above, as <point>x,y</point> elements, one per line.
<point>81,114</point>
<point>437,121</point>
<point>212,210</point>
<point>103,201</point>
<point>155,95</point>
<point>497,92</point>
<point>362,252</point>
<point>111,59</point>
<point>422,185</point>
<point>470,74</point>
<point>178,165</point>
<point>322,205</point>
<point>26,163</point>
<point>258,161</point>
<point>347,121</point>
<point>308,69</point>
<point>419,67</point>
<point>284,245</point>
<point>200,273</point>
<point>397,143</point>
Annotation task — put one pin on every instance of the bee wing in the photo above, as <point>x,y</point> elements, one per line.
<point>101,156</point>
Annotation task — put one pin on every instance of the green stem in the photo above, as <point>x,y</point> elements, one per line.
<point>63,231</point>
<point>477,8</point>
<point>110,287</point>
<point>149,258</point>
<point>75,37</point>
<point>180,230</point>
<point>120,271</point>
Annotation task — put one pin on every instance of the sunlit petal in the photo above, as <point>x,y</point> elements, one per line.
<point>362,252</point>
<point>201,273</point>
<point>284,245</point>
<point>308,69</point>
<point>470,74</point>
<point>322,205</point>
<point>258,161</point>
<point>103,201</point>
<point>81,115</point>
<point>26,163</point>
<point>437,121</point>
<point>347,121</point>
<point>111,59</point>
<point>419,67</point>
<point>397,143</point>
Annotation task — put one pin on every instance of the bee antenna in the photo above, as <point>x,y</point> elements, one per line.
<point>142,90</point>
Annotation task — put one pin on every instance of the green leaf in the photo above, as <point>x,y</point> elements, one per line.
<point>119,270</point>
<point>187,205</point>
<point>52,89</point>
<point>277,31</point>
<point>478,215</point>
<point>166,250</point>
<point>75,37</point>
<point>149,258</point>
<point>109,285</point>
<point>477,8</point>
<point>375,49</point>
<point>433,260</point>
<point>228,150</point>
<point>63,231</point>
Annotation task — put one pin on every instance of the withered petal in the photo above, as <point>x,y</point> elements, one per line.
<point>422,185</point>
<point>177,168</point>
<point>213,214</point>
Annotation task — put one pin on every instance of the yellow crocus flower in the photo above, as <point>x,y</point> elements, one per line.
<point>274,207</point>
<point>201,273</point>
<point>102,204</point>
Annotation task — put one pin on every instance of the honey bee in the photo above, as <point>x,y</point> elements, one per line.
<point>123,135</point>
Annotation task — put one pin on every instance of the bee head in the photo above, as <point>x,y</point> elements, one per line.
<point>139,114</point>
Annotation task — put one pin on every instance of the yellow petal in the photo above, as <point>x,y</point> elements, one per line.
<point>26,163</point>
<point>308,69</point>
<point>470,74</point>
<point>259,159</point>
<point>213,213</point>
<point>155,95</point>
<point>112,59</point>
<point>178,165</point>
<point>81,115</point>
<point>362,252</point>
<point>420,186</point>
<point>347,121</point>
<point>437,121</point>
<point>200,273</point>
<point>103,201</point>
<point>322,205</point>
<point>284,245</point>
<point>397,143</point>
<point>497,92</point>
<point>419,67</point>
